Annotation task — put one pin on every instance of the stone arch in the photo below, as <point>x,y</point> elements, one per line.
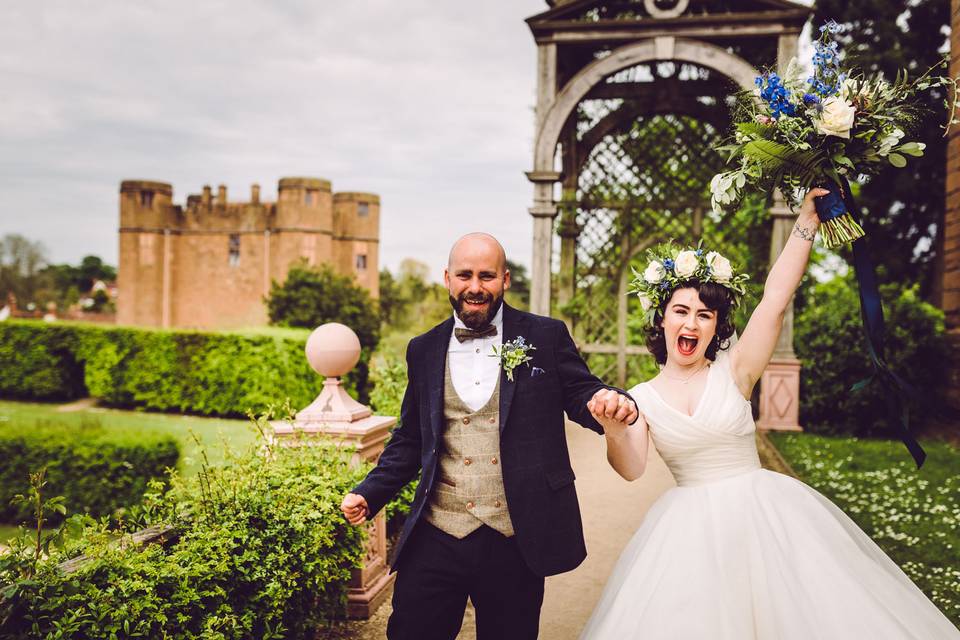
<point>661,48</point>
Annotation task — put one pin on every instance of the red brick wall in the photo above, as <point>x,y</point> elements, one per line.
<point>951,239</point>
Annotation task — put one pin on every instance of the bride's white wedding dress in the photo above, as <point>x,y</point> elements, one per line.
<point>738,552</point>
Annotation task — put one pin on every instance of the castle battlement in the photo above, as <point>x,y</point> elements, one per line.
<point>210,261</point>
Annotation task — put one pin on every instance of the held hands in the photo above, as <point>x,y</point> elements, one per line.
<point>614,411</point>
<point>354,507</point>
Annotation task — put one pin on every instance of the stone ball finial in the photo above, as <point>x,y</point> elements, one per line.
<point>333,349</point>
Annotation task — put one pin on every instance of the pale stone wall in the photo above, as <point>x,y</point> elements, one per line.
<point>210,262</point>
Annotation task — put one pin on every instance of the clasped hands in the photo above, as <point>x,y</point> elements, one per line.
<point>613,410</point>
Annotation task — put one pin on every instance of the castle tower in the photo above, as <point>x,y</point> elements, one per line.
<point>144,278</point>
<point>356,237</point>
<point>303,225</point>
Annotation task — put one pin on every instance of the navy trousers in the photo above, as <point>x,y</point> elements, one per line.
<point>437,573</point>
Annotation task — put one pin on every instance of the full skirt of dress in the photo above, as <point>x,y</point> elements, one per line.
<point>758,555</point>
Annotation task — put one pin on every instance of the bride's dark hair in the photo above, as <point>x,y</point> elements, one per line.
<point>717,298</point>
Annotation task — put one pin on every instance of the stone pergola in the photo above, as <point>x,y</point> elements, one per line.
<point>617,81</point>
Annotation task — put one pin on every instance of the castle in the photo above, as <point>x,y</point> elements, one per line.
<point>210,263</point>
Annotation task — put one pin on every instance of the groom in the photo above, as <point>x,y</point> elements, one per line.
<point>496,509</point>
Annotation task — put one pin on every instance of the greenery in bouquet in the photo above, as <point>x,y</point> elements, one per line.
<point>795,132</point>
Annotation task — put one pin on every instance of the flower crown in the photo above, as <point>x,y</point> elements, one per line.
<point>671,266</point>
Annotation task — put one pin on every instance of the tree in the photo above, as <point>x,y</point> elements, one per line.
<point>21,262</point>
<point>312,296</point>
<point>904,208</point>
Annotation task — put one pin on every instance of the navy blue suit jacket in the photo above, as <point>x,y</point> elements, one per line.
<point>537,476</point>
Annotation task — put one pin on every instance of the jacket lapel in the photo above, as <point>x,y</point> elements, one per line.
<point>436,365</point>
<point>513,325</point>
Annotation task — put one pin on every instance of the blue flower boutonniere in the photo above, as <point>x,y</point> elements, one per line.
<point>512,354</point>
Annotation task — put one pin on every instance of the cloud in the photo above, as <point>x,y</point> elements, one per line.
<point>428,104</point>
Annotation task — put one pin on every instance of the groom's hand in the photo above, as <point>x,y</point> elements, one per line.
<point>354,507</point>
<point>613,406</point>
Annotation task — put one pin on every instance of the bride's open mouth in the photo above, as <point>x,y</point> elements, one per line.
<point>686,345</point>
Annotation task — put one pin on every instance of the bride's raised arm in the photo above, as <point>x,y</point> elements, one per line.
<point>750,355</point>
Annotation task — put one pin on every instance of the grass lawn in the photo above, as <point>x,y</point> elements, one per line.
<point>913,515</point>
<point>211,432</point>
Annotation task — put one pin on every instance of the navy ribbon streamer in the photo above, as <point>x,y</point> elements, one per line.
<point>898,390</point>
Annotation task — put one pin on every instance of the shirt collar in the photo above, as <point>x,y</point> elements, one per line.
<point>497,319</point>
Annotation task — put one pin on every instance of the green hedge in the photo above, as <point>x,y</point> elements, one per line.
<point>260,550</point>
<point>829,340</point>
<point>207,373</point>
<point>97,471</point>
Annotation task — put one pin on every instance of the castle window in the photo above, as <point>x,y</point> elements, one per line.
<point>363,209</point>
<point>361,262</point>
<point>234,249</point>
<point>146,199</point>
<point>310,197</point>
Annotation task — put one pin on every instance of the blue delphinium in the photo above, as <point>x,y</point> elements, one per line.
<point>776,95</point>
<point>826,79</point>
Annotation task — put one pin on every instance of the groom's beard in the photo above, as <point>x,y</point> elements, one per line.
<point>476,319</point>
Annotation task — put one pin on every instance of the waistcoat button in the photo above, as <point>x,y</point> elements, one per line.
<point>467,461</point>
<point>469,505</point>
<point>493,461</point>
<point>466,421</point>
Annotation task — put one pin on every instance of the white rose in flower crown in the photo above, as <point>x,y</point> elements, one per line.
<point>654,272</point>
<point>720,267</point>
<point>645,302</point>
<point>836,119</point>
<point>686,264</point>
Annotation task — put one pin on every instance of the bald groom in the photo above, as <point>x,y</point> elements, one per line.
<point>496,510</point>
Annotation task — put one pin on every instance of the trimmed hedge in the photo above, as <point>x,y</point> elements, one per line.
<point>207,373</point>
<point>96,470</point>
<point>260,550</point>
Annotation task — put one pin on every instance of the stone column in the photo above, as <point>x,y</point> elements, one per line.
<point>780,382</point>
<point>950,288</point>
<point>333,349</point>
<point>544,210</point>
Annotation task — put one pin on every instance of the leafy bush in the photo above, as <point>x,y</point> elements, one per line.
<point>38,361</point>
<point>260,550</point>
<point>913,515</point>
<point>208,373</point>
<point>829,341</point>
<point>313,296</point>
<point>95,470</point>
<point>389,378</point>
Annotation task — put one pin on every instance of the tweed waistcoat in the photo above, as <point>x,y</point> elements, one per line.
<point>469,488</point>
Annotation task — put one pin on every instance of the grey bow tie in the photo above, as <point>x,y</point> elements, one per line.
<point>462,335</point>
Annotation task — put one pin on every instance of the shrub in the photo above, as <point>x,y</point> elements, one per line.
<point>389,378</point>
<point>260,550</point>
<point>38,361</point>
<point>829,341</point>
<point>97,471</point>
<point>207,373</point>
<point>313,296</point>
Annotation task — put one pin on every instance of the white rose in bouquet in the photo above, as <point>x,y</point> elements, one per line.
<point>836,119</point>
<point>645,302</point>
<point>686,264</point>
<point>654,272</point>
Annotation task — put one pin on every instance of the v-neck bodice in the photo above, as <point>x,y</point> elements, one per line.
<point>716,441</point>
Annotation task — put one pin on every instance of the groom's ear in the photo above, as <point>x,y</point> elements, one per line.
<point>506,279</point>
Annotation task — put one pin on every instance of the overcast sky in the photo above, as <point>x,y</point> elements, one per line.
<point>428,104</point>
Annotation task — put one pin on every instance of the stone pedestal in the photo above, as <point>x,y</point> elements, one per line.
<point>333,349</point>
<point>780,396</point>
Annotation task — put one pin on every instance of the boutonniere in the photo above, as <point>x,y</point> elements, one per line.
<point>513,354</point>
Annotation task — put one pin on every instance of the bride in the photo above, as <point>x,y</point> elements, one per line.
<point>735,551</point>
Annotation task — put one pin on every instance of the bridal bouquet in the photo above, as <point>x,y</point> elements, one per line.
<point>793,133</point>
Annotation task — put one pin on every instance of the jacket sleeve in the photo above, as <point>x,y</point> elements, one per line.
<point>401,459</point>
<point>578,383</point>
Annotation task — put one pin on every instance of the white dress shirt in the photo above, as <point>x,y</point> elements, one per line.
<point>473,369</point>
